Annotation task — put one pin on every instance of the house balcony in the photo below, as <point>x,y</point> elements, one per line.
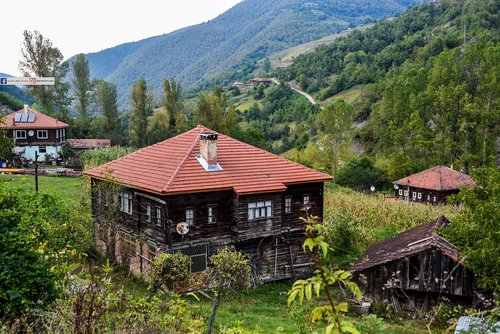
<point>255,229</point>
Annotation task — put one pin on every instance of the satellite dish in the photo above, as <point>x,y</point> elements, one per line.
<point>182,228</point>
<point>396,186</point>
<point>31,133</point>
<point>372,188</point>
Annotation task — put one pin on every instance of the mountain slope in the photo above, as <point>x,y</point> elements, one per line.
<point>248,31</point>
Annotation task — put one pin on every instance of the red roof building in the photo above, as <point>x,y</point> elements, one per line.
<point>432,185</point>
<point>35,132</point>
<point>201,190</point>
<point>80,145</point>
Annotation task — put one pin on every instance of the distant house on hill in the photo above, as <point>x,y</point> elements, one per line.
<point>432,185</point>
<point>240,85</point>
<point>80,145</point>
<point>200,191</point>
<point>414,269</point>
<point>264,81</point>
<point>33,132</point>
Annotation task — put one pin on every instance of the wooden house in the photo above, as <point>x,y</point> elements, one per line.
<point>432,185</point>
<point>414,270</point>
<point>263,81</point>
<point>33,132</point>
<point>80,145</point>
<point>200,191</point>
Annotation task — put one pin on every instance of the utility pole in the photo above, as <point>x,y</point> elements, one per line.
<point>36,171</point>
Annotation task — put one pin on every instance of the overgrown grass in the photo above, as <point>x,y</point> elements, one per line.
<point>350,95</point>
<point>67,188</point>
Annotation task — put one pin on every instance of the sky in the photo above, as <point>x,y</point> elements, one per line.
<point>93,25</point>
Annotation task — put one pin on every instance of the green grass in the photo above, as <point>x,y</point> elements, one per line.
<point>69,188</point>
<point>350,95</point>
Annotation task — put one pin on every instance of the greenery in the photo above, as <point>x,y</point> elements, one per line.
<point>476,230</point>
<point>82,96</point>
<point>142,107</point>
<point>169,271</point>
<point>96,157</point>
<point>361,174</point>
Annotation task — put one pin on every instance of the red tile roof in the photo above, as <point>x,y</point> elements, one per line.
<point>410,242</point>
<point>41,121</point>
<point>89,143</point>
<point>171,167</point>
<point>437,178</point>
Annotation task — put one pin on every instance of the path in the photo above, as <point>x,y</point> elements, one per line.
<point>308,97</point>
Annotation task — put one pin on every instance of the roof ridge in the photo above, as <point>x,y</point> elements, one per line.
<point>177,170</point>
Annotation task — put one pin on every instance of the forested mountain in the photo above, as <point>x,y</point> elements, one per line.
<point>233,41</point>
<point>430,93</point>
<point>13,96</point>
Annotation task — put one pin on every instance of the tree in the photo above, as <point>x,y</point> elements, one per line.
<point>266,65</point>
<point>169,271</point>
<point>41,59</point>
<point>324,279</point>
<point>82,94</point>
<point>229,270</point>
<point>335,122</point>
<point>361,174</point>
<point>106,99</point>
<point>210,110</point>
<point>6,145</point>
<point>158,126</point>
<point>476,230</point>
<point>173,103</point>
<point>142,107</point>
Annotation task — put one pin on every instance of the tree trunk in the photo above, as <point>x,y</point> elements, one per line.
<point>214,310</point>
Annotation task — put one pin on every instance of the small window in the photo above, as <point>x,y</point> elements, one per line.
<point>288,204</point>
<point>57,133</point>
<point>258,210</point>
<point>190,217</point>
<point>126,202</point>
<point>429,198</point>
<point>158,216</point>
<point>406,193</point>
<point>307,200</point>
<point>211,214</point>
<point>434,199</point>
<point>20,134</point>
<point>419,195</point>
<point>42,149</point>
<point>414,194</point>
<point>148,213</point>
<point>42,134</point>
<point>400,192</point>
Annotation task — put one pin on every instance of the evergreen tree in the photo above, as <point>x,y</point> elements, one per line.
<point>106,99</point>
<point>173,103</point>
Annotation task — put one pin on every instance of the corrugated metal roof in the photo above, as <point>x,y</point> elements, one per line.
<point>437,178</point>
<point>170,167</point>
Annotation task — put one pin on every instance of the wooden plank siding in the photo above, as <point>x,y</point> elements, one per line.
<point>30,141</point>
<point>426,195</point>
<point>274,244</point>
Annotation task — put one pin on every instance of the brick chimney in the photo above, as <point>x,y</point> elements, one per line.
<point>26,108</point>
<point>208,151</point>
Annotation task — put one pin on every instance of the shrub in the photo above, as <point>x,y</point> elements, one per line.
<point>169,271</point>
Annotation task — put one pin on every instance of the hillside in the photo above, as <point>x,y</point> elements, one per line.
<point>421,90</point>
<point>233,41</point>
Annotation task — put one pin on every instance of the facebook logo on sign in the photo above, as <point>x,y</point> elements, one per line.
<point>3,81</point>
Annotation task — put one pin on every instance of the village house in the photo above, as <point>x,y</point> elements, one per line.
<point>200,191</point>
<point>33,132</point>
<point>415,269</point>
<point>264,81</point>
<point>81,145</point>
<point>432,185</point>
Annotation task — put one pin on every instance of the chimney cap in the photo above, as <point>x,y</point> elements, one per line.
<point>208,135</point>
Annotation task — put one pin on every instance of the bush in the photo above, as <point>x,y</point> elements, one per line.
<point>361,174</point>
<point>169,271</point>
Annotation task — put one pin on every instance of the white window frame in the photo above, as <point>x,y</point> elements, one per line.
<point>158,216</point>
<point>211,214</point>
<point>414,194</point>
<point>57,134</point>
<point>428,198</point>
<point>400,192</point>
<point>148,212</point>
<point>406,193</point>
<point>261,209</point>
<point>40,148</point>
<point>288,204</point>
<point>190,216</point>
<point>419,195</point>
<point>39,132</point>
<point>18,134</point>
<point>126,202</point>
<point>307,200</point>
<point>434,199</point>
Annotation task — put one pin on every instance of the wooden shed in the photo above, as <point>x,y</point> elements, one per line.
<point>415,269</point>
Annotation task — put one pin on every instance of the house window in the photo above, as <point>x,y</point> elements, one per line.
<point>198,256</point>
<point>400,192</point>
<point>434,199</point>
<point>419,195</point>
<point>406,193</point>
<point>414,194</point>
<point>429,198</point>
<point>211,214</point>
<point>42,134</point>
<point>126,202</point>
<point>307,200</point>
<point>57,133</point>
<point>288,204</point>
<point>258,210</point>
<point>158,216</point>
<point>42,149</point>
<point>148,213</point>
<point>190,217</point>
<point>20,134</point>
